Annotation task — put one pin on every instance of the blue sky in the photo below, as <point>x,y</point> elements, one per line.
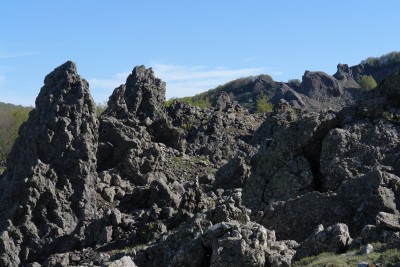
<point>192,45</point>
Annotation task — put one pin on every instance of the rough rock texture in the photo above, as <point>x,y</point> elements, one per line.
<point>335,238</point>
<point>287,165</point>
<point>320,85</point>
<point>388,221</point>
<point>125,261</point>
<point>223,236</point>
<point>187,186</point>
<point>142,96</point>
<point>47,194</point>
<point>358,148</point>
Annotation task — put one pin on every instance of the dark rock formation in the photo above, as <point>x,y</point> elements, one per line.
<point>317,92</point>
<point>148,185</point>
<point>362,144</point>
<point>47,194</point>
<point>142,96</point>
<point>335,238</point>
<point>320,86</point>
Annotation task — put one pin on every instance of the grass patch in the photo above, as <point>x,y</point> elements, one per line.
<point>391,117</point>
<point>381,256</point>
<point>2,170</point>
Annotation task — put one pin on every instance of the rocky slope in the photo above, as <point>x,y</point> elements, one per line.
<point>146,185</point>
<point>316,91</point>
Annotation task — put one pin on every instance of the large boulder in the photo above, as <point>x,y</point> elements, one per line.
<point>320,86</point>
<point>47,194</point>
<point>358,148</point>
<point>356,203</point>
<point>335,238</point>
<point>287,163</point>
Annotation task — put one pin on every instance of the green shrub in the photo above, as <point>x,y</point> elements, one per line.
<point>384,60</point>
<point>263,105</point>
<point>367,82</point>
<point>11,118</point>
<point>296,82</point>
<point>202,102</point>
<point>266,78</point>
<point>169,102</point>
<point>100,108</point>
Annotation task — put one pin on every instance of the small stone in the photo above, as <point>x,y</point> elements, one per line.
<point>100,187</point>
<point>125,261</point>
<point>119,192</point>
<point>108,194</point>
<point>388,221</point>
<point>116,180</point>
<point>105,235</point>
<point>367,249</point>
<point>105,177</point>
<point>116,217</point>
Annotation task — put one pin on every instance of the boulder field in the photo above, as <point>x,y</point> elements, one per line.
<point>150,185</point>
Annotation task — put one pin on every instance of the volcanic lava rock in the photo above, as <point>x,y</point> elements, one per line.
<point>320,85</point>
<point>141,97</point>
<point>47,194</point>
<point>335,238</point>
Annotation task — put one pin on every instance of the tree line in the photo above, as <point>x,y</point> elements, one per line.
<point>11,118</point>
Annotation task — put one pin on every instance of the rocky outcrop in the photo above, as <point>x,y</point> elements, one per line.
<point>345,77</point>
<point>287,165</point>
<point>358,148</point>
<point>148,185</point>
<point>353,154</point>
<point>335,238</point>
<point>141,97</point>
<point>320,86</point>
<point>47,193</point>
<point>223,236</point>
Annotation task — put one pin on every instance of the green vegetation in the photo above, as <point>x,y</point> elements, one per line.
<point>201,101</point>
<point>100,108</point>
<point>177,160</point>
<point>11,118</point>
<point>244,90</point>
<point>384,60</point>
<point>169,102</point>
<point>266,78</point>
<point>381,256</point>
<point>2,170</point>
<point>394,118</point>
<point>296,82</point>
<point>367,82</point>
<point>263,105</point>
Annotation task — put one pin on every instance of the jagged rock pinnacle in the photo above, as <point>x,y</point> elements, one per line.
<point>47,193</point>
<point>142,96</point>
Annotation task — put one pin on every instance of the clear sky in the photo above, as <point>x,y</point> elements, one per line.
<point>192,45</point>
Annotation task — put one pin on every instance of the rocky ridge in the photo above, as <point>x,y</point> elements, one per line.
<point>316,91</point>
<point>146,185</point>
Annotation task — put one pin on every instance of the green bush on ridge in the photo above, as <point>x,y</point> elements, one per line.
<point>367,82</point>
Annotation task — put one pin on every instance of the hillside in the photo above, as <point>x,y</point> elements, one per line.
<point>11,118</point>
<point>150,185</point>
<point>316,91</point>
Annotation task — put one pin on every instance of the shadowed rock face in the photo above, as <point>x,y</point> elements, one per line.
<point>174,185</point>
<point>142,96</point>
<point>47,193</point>
<point>320,85</point>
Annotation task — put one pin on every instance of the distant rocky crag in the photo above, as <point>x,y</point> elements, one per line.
<point>146,185</point>
<point>316,91</point>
